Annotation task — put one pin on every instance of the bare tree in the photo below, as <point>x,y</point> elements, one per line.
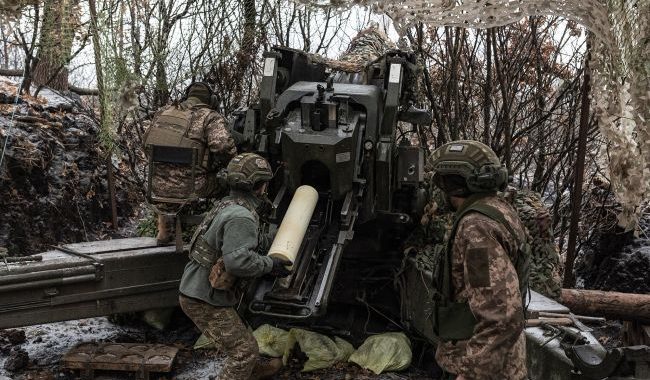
<point>55,44</point>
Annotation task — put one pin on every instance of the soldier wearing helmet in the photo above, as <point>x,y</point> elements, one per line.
<point>190,124</point>
<point>479,311</point>
<point>224,252</point>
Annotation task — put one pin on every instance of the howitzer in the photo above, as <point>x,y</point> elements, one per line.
<point>341,139</point>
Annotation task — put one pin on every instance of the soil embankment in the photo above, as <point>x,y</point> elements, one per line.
<point>617,261</point>
<point>53,178</point>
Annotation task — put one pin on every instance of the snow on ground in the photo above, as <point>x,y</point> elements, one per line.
<point>46,344</point>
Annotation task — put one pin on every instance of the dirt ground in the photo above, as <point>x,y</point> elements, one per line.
<point>44,346</point>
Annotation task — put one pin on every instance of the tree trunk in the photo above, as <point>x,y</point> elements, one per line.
<point>55,44</point>
<point>625,306</point>
<point>487,89</point>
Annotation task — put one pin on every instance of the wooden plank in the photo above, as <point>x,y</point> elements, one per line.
<point>133,357</point>
<point>91,247</point>
<point>539,303</point>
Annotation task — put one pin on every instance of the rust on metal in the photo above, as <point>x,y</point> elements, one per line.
<point>133,357</point>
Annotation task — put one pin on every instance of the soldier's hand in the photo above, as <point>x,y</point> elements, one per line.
<point>279,267</point>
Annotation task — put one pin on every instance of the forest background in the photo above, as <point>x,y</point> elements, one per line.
<point>518,88</point>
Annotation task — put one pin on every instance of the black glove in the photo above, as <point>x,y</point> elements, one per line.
<point>279,267</point>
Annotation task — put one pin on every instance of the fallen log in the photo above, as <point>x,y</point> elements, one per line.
<point>613,305</point>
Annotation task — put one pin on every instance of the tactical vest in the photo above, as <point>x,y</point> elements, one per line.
<point>200,250</point>
<point>172,128</point>
<point>454,320</point>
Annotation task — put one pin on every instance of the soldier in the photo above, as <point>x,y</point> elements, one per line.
<point>192,123</point>
<point>223,253</point>
<point>479,313</point>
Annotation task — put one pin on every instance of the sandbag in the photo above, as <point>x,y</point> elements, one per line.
<point>384,352</point>
<point>204,343</point>
<point>271,341</point>
<point>322,352</point>
<point>158,318</point>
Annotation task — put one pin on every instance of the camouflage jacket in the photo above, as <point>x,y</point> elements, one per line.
<point>483,275</point>
<point>209,127</point>
<point>235,232</point>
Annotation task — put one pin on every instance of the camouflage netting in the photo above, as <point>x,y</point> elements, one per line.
<point>368,45</point>
<point>545,266</point>
<point>621,84</point>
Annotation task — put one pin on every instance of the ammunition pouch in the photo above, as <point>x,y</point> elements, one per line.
<point>210,258</point>
<point>455,321</point>
<point>171,138</point>
<point>167,142</point>
<point>204,254</point>
<point>219,278</point>
<point>171,130</point>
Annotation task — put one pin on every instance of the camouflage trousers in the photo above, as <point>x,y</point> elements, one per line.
<point>226,329</point>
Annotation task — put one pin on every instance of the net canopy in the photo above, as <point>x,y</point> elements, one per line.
<point>620,64</point>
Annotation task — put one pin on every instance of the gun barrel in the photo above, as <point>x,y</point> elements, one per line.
<point>292,230</point>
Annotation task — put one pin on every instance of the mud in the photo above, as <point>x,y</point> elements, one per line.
<point>53,179</point>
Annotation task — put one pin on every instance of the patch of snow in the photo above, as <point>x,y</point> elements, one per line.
<point>54,99</point>
<point>46,344</point>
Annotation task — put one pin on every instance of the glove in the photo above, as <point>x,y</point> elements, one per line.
<point>279,267</point>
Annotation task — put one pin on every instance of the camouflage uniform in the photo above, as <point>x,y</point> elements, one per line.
<point>226,329</point>
<point>235,231</point>
<point>208,126</point>
<point>483,275</point>
<point>545,265</point>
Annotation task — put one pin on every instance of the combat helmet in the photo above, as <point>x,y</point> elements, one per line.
<point>474,161</point>
<point>246,170</point>
<point>202,91</point>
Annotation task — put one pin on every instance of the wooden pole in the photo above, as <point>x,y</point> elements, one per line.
<point>111,191</point>
<point>576,195</point>
<point>614,305</point>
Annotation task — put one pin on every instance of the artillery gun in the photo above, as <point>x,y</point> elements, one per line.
<point>341,139</point>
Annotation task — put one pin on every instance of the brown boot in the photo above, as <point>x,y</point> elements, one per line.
<point>165,235</point>
<point>266,367</point>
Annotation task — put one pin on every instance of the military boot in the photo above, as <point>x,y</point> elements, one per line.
<point>265,368</point>
<point>165,229</point>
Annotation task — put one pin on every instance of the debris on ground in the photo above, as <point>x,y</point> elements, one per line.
<point>46,344</point>
<point>13,337</point>
<point>18,359</point>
